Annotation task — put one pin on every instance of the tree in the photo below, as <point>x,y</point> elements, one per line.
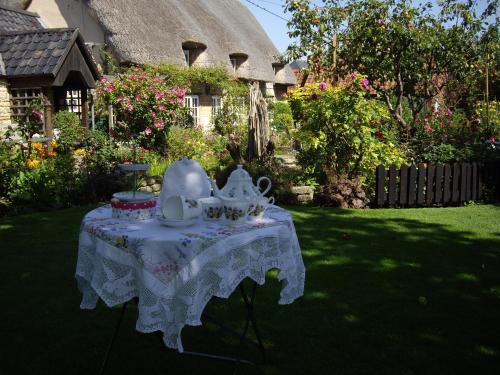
<point>410,53</point>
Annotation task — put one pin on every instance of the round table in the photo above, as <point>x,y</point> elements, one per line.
<point>174,272</point>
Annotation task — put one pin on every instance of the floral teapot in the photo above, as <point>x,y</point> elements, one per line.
<point>240,186</point>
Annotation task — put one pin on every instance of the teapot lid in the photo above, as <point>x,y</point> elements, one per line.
<point>239,174</point>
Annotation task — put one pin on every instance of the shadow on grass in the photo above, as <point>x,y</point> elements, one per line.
<point>387,292</point>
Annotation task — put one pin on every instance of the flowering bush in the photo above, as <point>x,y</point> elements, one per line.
<point>342,131</point>
<point>145,107</point>
<point>209,149</point>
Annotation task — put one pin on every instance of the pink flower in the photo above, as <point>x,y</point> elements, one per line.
<point>109,88</point>
<point>136,68</point>
<point>364,82</point>
<point>161,107</point>
<point>322,86</point>
<point>148,131</point>
<point>159,124</point>
<point>448,112</point>
<point>159,95</point>
<point>153,115</point>
<point>492,139</point>
<point>353,75</point>
<point>119,99</point>
<point>428,128</point>
<point>138,98</point>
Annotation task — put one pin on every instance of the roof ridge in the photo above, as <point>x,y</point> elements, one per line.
<point>38,31</point>
<point>25,12</point>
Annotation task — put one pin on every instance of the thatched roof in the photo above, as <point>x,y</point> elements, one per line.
<point>154,31</point>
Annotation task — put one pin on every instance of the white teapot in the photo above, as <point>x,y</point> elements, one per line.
<point>240,186</point>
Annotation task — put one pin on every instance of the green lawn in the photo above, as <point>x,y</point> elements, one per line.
<point>401,292</point>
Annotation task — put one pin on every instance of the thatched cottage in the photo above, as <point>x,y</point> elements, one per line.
<point>53,65</point>
<point>184,32</point>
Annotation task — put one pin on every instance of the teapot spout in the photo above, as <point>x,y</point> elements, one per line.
<point>217,192</point>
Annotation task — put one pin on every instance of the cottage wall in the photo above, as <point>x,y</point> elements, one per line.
<point>205,111</point>
<point>71,13</point>
<point>5,119</point>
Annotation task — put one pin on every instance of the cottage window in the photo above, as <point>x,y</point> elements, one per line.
<point>186,56</point>
<point>71,102</point>
<point>193,102</point>
<point>234,64</point>
<point>216,105</point>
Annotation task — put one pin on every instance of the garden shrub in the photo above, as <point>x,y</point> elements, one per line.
<point>281,122</point>
<point>208,149</point>
<point>342,131</point>
<point>68,128</point>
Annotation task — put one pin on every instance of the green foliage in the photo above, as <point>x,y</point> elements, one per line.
<point>69,127</point>
<point>281,121</point>
<point>342,131</point>
<point>409,52</point>
<point>208,149</point>
<point>10,162</point>
<point>52,184</point>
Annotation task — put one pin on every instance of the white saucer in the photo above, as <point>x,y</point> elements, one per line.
<point>176,223</point>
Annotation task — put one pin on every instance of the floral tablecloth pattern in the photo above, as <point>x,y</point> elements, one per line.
<point>175,271</point>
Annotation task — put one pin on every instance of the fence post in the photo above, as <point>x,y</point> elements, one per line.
<point>438,187</point>
<point>455,188</point>
<point>403,185</point>
<point>463,182</point>
<point>392,185</point>
<point>412,186</point>
<point>421,184</point>
<point>447,184</point>
<point>380,186</point>
<point>429,191</point>
<point>474,195</point>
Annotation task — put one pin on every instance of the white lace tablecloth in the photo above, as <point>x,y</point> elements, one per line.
<point>175,271</point>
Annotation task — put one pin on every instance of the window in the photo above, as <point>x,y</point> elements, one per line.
<point>234,64</point>
<point>186,56</point>
<point>216,105</point>
<point>193,102</point>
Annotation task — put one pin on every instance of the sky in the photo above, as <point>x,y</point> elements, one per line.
<point>276,28</point>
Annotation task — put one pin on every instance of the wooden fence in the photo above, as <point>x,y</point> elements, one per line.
<point>435,184</point>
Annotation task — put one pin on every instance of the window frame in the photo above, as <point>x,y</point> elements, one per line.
<point>189,102</point>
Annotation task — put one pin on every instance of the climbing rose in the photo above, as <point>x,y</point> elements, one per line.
<point>148,131</point>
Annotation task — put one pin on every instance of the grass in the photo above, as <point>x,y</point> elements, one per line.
<point>402,292</point>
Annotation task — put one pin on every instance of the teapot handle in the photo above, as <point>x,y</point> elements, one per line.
<point>269,184</point>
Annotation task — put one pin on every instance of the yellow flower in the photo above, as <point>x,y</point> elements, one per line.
<point>51,154</point>
<point>37,147</point>
<point>80,152</point>
<point>32,163</point>
<point>53,143</point>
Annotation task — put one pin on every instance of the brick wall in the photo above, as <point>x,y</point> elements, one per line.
<point>4,106</point>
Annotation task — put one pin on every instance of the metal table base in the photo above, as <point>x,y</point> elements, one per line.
<point>248,300</point>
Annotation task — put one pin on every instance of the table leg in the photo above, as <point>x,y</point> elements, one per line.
<point>113,338</point>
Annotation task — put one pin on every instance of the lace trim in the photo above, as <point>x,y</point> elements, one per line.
<point>103,272</point>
